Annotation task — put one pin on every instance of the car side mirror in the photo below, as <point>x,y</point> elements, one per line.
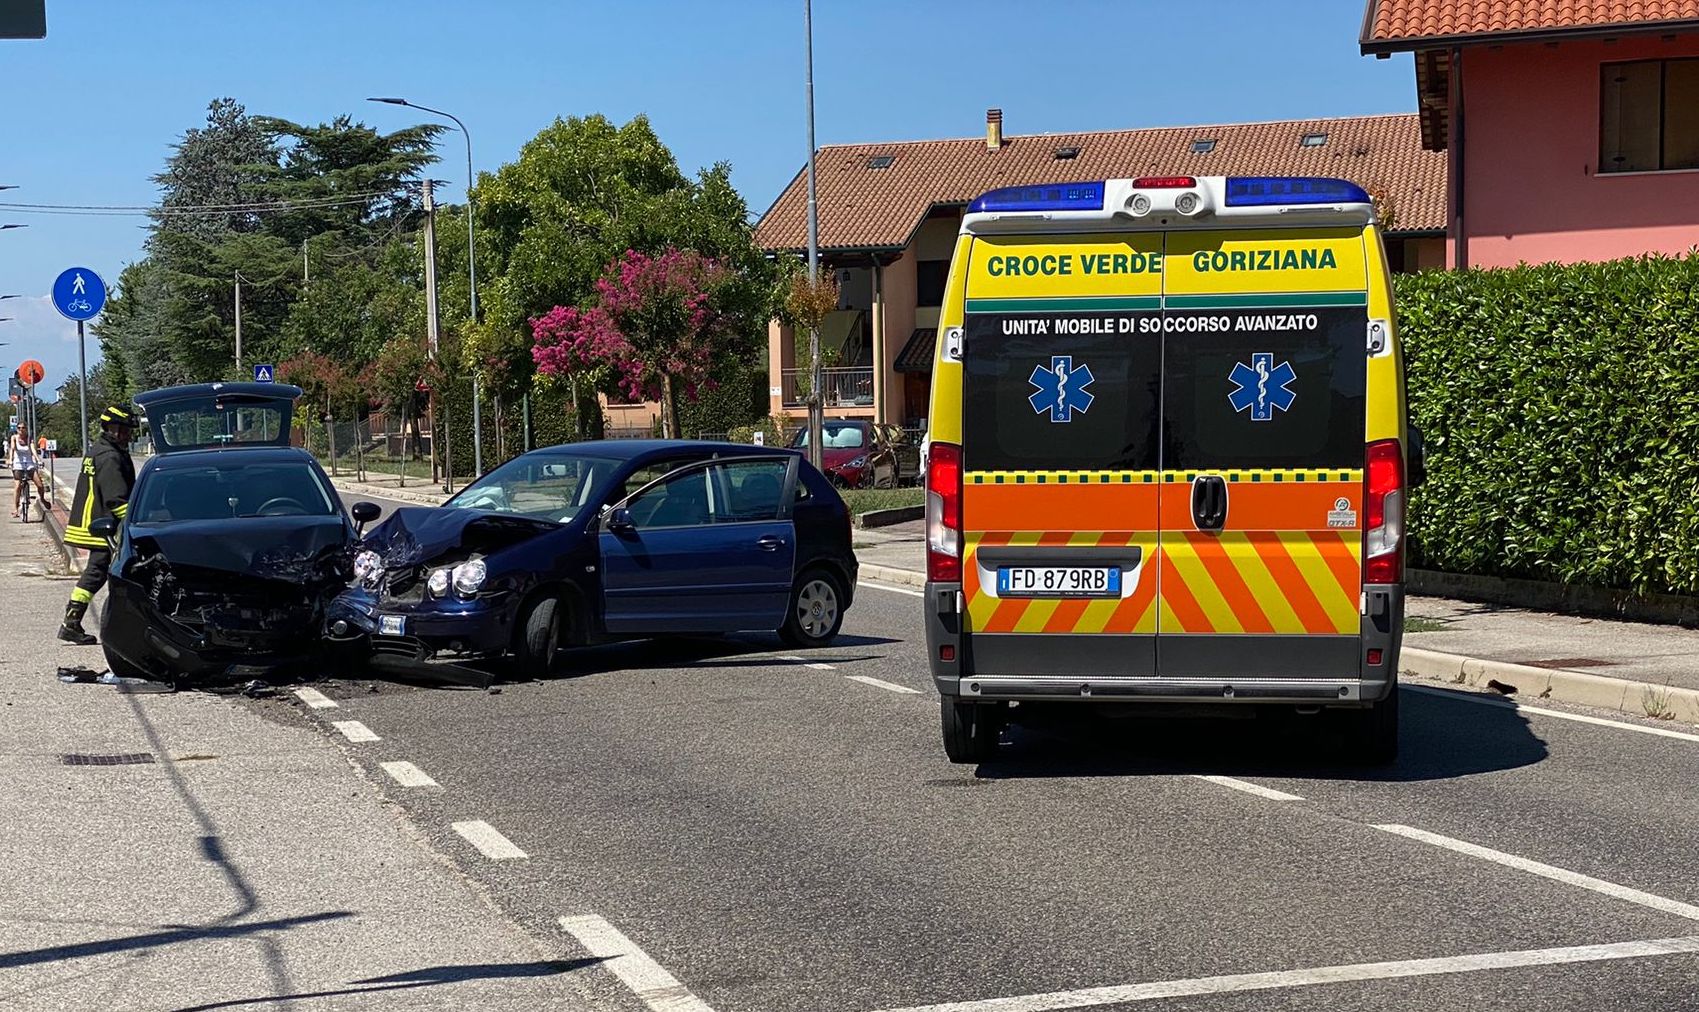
<point>105,527</point>
<point>619,521</point>
<point>364,513</point>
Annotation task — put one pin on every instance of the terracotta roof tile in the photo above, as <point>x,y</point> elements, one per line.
<point>862,207</point>
<point>1395,20</point>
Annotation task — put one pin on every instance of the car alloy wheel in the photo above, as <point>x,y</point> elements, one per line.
<point>817,608</point>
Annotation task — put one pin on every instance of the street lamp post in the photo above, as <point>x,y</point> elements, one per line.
<point>816,402</point>
<point>471,270</point>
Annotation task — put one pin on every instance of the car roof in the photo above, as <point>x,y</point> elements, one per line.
<point>237,455</point>
<point>646,449</point>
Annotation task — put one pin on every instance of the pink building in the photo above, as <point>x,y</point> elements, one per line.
<point>1570,127</point>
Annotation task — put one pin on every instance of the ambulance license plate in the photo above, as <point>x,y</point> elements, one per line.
<point>1059,581</point>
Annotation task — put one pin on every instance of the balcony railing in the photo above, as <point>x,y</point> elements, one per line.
<point>841,387</point>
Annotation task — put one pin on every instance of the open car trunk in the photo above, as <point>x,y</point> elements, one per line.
<point>205,416</point>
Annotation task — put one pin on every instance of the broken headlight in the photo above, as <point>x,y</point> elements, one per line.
<point>469,577</point>
<point>368,569</point>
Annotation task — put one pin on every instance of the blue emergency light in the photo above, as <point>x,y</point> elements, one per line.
<point>1050,197</point>
<point>1266,191</point>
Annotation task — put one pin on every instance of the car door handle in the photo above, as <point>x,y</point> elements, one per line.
<point>770,543</point>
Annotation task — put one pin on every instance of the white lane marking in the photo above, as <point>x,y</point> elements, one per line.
<point>353,730</point>
<point>820,667</point>
<point>316,699</point>
<point>1249,788</point>
<point>888,587</point>
<point>488,840</point>
<point>1156,990</point>
<point>790,659</point>
<point>1473,697</point>
<point>1556,874</point>
<point>880,683</point>
<point>648,979</point>
<point>408,775</point>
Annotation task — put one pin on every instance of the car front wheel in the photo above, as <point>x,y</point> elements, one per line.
<point>816,610</point>
<point>538,648</point>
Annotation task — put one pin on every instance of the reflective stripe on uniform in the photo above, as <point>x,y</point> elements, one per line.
<point>81,596</point>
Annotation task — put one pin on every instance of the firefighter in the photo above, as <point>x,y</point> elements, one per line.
<point>103,490</point>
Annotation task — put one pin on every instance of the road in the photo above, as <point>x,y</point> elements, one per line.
<point>779,833</point>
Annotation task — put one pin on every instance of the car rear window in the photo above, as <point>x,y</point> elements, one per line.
<point>226,490</point>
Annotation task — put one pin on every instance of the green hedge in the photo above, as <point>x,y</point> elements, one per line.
<point>1560,405</point>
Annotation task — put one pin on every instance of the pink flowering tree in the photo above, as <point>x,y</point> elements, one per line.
<point>655,331</point>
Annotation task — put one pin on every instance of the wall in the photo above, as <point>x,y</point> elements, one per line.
<point>899,292</point>
<point>1532,189</point>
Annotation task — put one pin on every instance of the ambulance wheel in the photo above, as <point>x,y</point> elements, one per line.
<point>970,730</point>
<point>1374,731</point>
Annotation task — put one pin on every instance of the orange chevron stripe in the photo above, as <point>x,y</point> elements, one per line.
<point>1336,552</point>
<point>1130,614</point>
<point>1228,583</point>
<point>1179,598</point>
<point>1291,579</point>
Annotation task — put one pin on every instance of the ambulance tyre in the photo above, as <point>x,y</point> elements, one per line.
<point>1374,731</point>
<point>971,731</point>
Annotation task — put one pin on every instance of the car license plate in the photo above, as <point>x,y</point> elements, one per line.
<point>1059,581</point>
<point>391,625</point>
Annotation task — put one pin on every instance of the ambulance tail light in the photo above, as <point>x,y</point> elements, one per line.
<point>944,513</point>
<point>1384,513</point>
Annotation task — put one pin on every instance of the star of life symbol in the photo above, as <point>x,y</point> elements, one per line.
<point>1262,386</point>
<point>1061,389</point>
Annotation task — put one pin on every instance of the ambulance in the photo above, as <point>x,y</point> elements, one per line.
<point>1168,457</point>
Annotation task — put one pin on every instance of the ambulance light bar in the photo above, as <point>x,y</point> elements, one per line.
<point>1056,197</point>
<point>1268,191</point>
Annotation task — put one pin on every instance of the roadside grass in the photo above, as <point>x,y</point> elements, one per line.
<point>1656,703</point>
<point>1414,624</point>
<point>865,500</point>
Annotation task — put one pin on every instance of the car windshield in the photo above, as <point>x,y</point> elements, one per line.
<point>542,486</point>
<point>234,488</point>
<point>833,436</point>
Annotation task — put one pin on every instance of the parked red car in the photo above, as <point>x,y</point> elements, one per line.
<point>860,454</point>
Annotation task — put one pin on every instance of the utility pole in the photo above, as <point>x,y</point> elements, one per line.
<point>816,400</point>
<point>306,270</point>
<point>238,323</point>
<point>433,330</point>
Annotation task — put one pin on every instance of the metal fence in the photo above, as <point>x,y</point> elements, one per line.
<point>839,387</point>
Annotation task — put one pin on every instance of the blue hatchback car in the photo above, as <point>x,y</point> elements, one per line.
<point>592,542</point>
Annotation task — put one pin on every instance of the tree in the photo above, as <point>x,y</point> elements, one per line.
<point>659,325</point>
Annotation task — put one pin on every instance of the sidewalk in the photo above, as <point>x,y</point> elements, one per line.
<point>1636,668</point>
<point>419,490</point>
<point>209,857</point>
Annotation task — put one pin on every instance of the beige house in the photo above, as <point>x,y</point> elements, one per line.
<point>889,213</point>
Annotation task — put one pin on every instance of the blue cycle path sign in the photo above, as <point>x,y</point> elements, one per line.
<point>79,294</point>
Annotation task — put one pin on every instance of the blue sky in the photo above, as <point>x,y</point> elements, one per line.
<point>90,113</point>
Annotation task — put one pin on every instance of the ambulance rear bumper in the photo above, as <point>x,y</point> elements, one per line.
<point>1305,670</point>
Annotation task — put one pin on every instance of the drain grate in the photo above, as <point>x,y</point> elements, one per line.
<point>1570,662</point>
<point>121,759</point>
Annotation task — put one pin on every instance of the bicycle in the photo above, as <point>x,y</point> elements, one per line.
<point>29,499</point>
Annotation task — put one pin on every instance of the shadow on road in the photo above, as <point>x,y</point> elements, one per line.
<point>428,977</point>
<point>1441,736</point>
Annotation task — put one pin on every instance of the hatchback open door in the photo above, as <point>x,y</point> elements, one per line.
<point>203,416</point>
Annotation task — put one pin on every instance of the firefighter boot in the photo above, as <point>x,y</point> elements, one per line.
<point>71,630</point>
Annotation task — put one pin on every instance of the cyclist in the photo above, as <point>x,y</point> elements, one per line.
<point>103,490</point>
<point>25,466</point>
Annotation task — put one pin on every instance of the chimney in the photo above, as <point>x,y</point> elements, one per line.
<point>993,129</point>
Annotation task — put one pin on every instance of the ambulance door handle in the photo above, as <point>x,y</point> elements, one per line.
<point>1209,502</point>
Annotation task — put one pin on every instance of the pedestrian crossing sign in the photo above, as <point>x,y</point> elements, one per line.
<point>262,373</point>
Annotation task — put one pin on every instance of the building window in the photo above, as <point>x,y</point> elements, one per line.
<point>881,161</point>
<point>929,279</point>
<point>1203,145</point>
<point>1067,153</point>
<point>1649,116</point>
<point>1312,140</point>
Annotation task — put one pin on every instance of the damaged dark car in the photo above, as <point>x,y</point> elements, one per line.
<point>593,542</point>
<point>233,545</point>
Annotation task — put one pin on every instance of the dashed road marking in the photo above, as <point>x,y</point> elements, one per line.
<point>647,979</point>
<point>1580,718</point>
<point>355,731</point>
<point>408,775</point>
<point>315,699</point>
<point>891,589</point>
<point>1393,970</point>
<point>1249,788</point>
<point>488,840</point>
<point>1552,872</point>
<point>817,666</point>
<point>880,683</point>
<point>790,659</point>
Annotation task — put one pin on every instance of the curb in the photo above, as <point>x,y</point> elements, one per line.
<point>381,492</point>
<point>54,520</point>
<point>885,518</point>
<point>891,574</point>
<point>1639,699</point>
